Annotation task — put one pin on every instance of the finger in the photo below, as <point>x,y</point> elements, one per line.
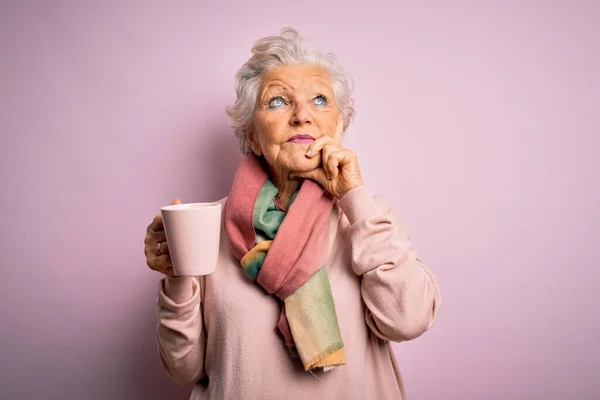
<point>159,263</point>
<point>164,264</point>
<point>317,175</point>
<point>332,164</point>
<point>163,248</point>
<point>325,160</point>
<point>157,224</point>
<point>156,249</point>
<point>169,272</point>
<point>344,157</point>
<point>153,237</point>
<point>151,250</point>
<point>316,146</point>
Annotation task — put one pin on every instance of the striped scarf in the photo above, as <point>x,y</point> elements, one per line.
<point>284,253</point>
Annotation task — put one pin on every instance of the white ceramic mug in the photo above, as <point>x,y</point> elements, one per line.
<point>193,232</point>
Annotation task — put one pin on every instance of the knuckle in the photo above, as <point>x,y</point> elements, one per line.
<point>150,261</point>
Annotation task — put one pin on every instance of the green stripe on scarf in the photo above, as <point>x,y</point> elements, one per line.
<point>284,254</point>
<point>311,307</point>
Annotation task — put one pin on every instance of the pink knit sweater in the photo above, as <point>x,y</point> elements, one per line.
<point>217,331</point>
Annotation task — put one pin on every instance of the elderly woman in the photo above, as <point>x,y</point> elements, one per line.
<point>315,276</point>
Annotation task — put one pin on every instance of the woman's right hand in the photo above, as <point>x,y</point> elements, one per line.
<point>156,247</point>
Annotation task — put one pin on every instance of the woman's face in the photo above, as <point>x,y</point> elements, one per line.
<point>296,105</point>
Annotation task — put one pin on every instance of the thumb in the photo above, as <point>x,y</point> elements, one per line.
<point>176,201</point>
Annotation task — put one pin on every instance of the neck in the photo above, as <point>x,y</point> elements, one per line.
<point>286,187</point>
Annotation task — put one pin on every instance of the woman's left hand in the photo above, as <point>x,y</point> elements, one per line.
<point>338,172</point>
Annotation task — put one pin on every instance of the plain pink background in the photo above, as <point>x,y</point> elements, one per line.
<point>479,119</point>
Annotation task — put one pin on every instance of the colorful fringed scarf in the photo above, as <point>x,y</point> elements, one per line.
<point>284,253</point>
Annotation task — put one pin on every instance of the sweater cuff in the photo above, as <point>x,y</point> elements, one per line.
<point>359,204</point>
<point>180,289</point>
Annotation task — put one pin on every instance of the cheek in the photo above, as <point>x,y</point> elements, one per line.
<point>330,125</point>
<point>269,135</point>
<point>272,139</point>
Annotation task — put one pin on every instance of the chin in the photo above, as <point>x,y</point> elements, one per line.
<point>302,163</point>
<point>298,162</point>
<point>295,160</point>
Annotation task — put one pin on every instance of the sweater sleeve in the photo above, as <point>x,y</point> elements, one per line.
<point>401,294</point>
<point>180,334</point>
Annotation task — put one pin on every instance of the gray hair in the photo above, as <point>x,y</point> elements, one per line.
<point>288,48</point>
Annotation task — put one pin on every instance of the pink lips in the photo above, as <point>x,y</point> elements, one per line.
<point>301,139</point>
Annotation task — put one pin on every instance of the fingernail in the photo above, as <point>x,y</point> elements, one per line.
<point>309,153</point>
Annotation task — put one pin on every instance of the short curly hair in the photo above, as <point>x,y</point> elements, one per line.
<point>269,52</point>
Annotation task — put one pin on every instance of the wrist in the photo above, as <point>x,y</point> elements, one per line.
<point>358,204</point>
<point>180,288</point>
<point>346,191</point>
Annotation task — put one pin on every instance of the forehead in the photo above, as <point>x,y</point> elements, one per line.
<point>295,77</point>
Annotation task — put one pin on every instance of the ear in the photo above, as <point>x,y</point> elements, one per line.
<point>252,142</point>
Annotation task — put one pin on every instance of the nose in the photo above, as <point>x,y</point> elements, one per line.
<point>302,115</point>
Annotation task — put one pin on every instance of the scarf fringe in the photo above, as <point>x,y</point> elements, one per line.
<point>323,357</point>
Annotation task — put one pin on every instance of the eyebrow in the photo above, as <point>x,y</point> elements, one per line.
<point>265,97</point>
<point>317,87</point>
<point>276,85</point>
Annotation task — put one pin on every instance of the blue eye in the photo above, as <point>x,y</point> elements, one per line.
<point>276,102</point>
<point>321,100</point>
